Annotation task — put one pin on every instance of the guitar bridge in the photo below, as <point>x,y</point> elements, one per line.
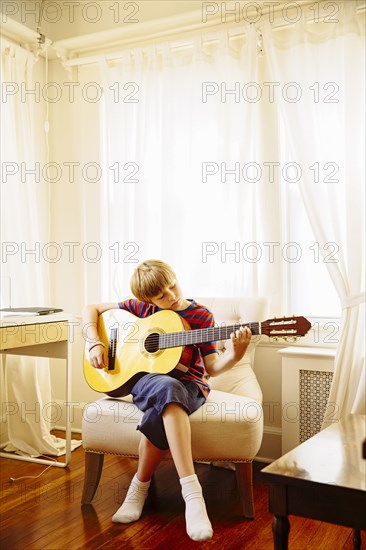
<point>112,347</point>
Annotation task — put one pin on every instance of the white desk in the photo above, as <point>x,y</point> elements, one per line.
<point>40,336</point>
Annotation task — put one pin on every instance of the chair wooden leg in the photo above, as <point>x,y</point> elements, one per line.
<point>244,478</point>
<point>93,471</point>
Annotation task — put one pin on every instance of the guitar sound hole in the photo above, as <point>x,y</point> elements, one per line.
<point>152,343</point>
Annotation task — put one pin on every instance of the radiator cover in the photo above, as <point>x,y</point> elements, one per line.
<point>306,380</point>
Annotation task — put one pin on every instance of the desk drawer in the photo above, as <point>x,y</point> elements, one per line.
<point>23,335</point>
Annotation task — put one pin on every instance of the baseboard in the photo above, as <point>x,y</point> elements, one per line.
<point>4,439</point>
<point>76,414</point>
<point>270,448</point>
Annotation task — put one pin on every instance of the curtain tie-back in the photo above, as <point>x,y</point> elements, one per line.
<point>353,300</point>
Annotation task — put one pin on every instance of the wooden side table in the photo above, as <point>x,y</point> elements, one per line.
<point>323,479</point>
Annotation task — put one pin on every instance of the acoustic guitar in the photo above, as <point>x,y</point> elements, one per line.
<point>155,344</point>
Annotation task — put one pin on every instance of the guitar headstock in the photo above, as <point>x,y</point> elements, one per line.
<point>286,327</point>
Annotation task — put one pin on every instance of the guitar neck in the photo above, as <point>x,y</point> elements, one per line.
<point>202,335</point>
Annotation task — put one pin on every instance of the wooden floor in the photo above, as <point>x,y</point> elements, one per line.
<point>45,513</point>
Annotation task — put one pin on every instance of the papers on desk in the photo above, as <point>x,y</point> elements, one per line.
<point>27,311</point>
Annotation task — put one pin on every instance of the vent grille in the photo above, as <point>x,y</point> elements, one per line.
<point>314,393</point>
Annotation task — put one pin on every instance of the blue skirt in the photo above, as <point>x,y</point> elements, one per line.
<point>153,392</point>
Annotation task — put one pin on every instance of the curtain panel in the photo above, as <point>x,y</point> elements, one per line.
<point>25,197</point>
<point>323,127</point>
<point>184,158</point>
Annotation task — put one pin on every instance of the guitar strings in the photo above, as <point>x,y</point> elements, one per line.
<point>189,335</point>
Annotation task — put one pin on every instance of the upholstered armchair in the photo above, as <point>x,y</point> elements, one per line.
<point>227,428</point>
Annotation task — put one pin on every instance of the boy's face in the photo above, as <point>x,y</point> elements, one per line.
<point>170,297</point>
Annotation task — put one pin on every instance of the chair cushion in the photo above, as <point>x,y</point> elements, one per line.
<point>240,380</point>
<point>226,427</point>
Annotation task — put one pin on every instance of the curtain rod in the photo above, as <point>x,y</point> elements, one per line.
<point>210,37</point>
<point>7,43</point>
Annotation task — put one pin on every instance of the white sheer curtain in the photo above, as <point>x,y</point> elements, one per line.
<point>325,64</point>
<point>183,135</point>
<point>24,230</point>
<point>185,148</point>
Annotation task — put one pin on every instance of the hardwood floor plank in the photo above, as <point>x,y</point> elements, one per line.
<point>331,536</point>
<point>46,514</point>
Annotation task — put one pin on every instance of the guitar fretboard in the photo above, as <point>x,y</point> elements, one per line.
<point>202,335</point>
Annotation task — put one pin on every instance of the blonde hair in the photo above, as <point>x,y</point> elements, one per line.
<point>150,278</point>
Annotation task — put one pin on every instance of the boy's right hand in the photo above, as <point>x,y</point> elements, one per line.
<point>97,357</point>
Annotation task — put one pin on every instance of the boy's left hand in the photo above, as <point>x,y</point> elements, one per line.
<point>240,340</point>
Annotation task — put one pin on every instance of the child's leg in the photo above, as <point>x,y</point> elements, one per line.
<point>149,458</point>
<point>178,433</point>
<point>165,402</point>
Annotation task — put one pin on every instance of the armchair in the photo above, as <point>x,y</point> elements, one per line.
<point>227,428</point>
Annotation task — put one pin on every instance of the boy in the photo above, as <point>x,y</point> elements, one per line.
<point>167,400</point>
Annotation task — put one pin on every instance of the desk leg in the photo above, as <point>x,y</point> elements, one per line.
<point>68,352</point>
<point>280,529</point>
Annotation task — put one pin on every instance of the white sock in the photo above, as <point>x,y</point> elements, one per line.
<point>133,504</point>
<point>197,523</point>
